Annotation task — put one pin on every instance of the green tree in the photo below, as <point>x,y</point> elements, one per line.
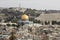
<point>8,24</point>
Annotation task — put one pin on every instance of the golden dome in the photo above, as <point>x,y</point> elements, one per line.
<point>24,17</point>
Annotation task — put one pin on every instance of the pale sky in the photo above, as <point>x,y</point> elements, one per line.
<point>35,4</point>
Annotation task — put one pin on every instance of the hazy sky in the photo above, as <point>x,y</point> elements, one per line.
<point>35,4</point>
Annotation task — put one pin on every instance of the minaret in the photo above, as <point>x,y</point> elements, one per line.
<point>20,6</point>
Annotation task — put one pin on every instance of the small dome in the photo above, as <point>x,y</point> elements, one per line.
<point>24,17</point>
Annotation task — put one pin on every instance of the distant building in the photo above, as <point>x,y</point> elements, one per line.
<point>20,9</point>
<point>51,18</point>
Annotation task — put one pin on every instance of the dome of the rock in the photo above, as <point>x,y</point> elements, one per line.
<point>24,17</point>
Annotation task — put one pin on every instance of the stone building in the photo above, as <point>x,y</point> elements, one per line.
<point>49,19</point>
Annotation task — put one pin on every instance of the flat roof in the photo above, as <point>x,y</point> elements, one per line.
<point>49,17</point>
